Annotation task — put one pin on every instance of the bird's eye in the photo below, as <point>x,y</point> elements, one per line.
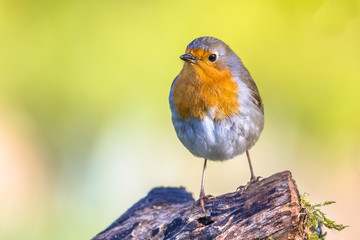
<point>212,58</point>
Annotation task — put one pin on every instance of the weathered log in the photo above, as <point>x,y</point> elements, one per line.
<point>267,209</point>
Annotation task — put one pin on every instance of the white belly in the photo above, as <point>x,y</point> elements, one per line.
<point>219,141</point>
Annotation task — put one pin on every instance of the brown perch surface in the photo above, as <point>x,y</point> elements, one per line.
<point>269,208</point>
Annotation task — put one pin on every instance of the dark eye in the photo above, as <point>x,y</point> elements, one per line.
<point>212,58</point>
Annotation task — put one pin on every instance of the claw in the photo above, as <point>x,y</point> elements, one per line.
<point>202,201</point>
<point>245,187</point>
<point>256,179</point>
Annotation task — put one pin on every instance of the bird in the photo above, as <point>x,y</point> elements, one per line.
<point>216,108</point>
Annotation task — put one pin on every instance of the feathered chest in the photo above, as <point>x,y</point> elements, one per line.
<point>201,89</point>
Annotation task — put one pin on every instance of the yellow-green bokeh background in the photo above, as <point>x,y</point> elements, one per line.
<point>85,127</point>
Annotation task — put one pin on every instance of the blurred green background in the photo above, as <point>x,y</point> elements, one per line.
<point>85,127</point>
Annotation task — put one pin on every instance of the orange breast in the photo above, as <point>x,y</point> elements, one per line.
<point>201,87</point>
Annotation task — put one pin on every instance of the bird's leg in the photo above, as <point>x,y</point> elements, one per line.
<point>203,197</point>
<point>253,178</point>
<point>202,192</point>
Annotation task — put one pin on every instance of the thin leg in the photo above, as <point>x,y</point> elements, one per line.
<point>202,192</point>
<point>253,178</point>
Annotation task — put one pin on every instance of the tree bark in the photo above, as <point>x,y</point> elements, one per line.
<point>268,209</point>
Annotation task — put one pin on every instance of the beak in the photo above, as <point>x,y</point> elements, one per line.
<point>188,57</point>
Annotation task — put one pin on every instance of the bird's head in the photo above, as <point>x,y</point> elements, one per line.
<point>209,57</point>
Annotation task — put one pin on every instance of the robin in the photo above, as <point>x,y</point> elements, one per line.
<point>216,108</point>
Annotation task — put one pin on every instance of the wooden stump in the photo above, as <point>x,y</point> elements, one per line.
<point>268,208</point>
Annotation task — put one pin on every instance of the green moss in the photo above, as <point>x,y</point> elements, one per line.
<point>314,218</point>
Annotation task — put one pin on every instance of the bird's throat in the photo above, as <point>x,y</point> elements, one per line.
<point>202,89</point>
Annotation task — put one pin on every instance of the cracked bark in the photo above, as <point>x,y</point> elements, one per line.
<point>269,208</point>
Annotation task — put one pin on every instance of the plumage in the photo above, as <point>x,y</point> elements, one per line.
<point>216,107</point>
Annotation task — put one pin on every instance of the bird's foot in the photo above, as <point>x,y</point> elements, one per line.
<point>247,186</point>
<point>201,201</point>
